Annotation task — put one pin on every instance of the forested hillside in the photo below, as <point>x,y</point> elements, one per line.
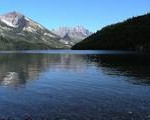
<point>132,34</point>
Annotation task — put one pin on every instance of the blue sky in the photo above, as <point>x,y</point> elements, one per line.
<point>92,14</point>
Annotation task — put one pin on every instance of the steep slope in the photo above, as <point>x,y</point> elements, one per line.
<point>73,35</point>
<point>132,34</point>
<point>17,32</point>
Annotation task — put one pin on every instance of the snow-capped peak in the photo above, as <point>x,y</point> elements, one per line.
<point>78,31</point>
<point>13,19</point>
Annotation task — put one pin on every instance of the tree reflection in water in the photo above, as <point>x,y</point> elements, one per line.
<point>129,65</point>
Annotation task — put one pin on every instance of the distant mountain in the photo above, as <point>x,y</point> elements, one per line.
<point>132,34</point>
<point>18,32</point>
<point>73,35</point>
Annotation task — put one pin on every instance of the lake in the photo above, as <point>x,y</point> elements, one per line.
<point>74,85</point>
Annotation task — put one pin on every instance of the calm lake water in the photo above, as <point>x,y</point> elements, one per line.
<point>74,85</point>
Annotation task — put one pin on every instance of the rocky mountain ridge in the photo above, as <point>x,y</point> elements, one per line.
<point>73,34</point>
<point>18,32</point>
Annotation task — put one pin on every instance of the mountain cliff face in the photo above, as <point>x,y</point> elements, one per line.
<point>132,34</point>
<point>73,35</point>
<point>17,32</point>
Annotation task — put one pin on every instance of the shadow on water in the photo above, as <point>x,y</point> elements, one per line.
<point>75,86</point>
<point>17,68</point>
<point>135,66</point>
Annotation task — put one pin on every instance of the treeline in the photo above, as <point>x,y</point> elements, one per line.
<point>132,34</point>
<point>19,44</point>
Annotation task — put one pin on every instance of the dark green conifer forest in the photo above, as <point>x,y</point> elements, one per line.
<point>132,34</point>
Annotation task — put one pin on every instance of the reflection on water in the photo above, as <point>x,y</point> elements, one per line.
<point>18,68</point>
<point>69,85</point>
<point>10,78</point>
<point>24,66</point>
<point>127,65</point>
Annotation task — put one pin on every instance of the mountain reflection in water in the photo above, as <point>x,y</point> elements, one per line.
<point>74,85</point>
<point>25,65</point>
<point>29,66</point>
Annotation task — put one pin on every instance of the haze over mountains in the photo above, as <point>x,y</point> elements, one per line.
<point>73,34</point>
